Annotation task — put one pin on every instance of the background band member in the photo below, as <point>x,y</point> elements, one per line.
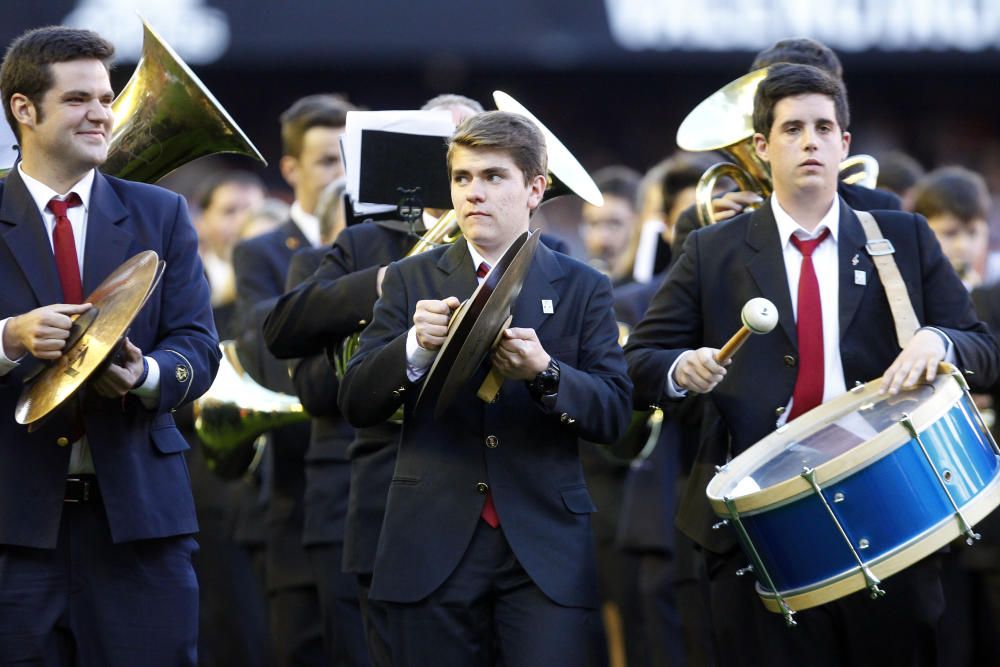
<point>486,545</point>
<point>96,512</point>
<point>846,335</point>
<point>310,131</point>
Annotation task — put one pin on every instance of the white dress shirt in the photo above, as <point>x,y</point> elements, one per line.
<point>80,458</point>
<point>307,223</point>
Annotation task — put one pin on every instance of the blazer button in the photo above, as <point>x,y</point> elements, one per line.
<point>62,441</point>
<point>780,410</point>
<point>789,360</point>
<point>482,487</point>
<point>492,441</point>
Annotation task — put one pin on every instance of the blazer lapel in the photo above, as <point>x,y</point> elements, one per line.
<point>459,278</point>
<point>538,299</point>
<point>852,258</point>
<point>107,241</point>
<point>767,267</point>
<point>24,233</point>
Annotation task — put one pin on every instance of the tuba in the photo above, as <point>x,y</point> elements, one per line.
<point>235,411</point>
<point>724,122</point>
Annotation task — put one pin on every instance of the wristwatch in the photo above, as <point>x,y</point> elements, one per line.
<point>546,383</point>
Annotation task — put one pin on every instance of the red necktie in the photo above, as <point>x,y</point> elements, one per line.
<point>489,513</point>
<point>64,248</point>
<point>809,327</point>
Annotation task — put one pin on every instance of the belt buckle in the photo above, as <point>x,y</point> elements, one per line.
<point>85,495</point>
<point>879,247</point>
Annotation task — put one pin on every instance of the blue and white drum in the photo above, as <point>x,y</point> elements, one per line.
<point>858,489</point>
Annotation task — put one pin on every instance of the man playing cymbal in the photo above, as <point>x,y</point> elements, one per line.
<point>486,554</point>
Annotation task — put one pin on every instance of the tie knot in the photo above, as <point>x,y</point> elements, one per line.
<point>483,269</point>
<point>806,247</point>
<point>60,206</point>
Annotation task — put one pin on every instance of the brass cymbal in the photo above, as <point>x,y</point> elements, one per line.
<point>564,169</point>
<point>476,326</point>
<point>724,118</point>
<point>116,302</point>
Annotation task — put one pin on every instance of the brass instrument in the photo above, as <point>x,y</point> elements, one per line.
<point>235,411</point>
<point>724,122</point>
<point>165,118</point>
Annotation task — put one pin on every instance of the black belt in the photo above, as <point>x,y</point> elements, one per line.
<point>81,489</point>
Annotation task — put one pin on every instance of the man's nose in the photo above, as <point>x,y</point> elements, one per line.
<point>475,191</point>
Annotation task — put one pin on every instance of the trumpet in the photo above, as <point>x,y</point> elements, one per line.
<point>724,122</point>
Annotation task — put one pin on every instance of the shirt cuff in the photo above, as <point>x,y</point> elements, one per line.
<point>673,391</point>
<point>949,352</point>
<point>149,391</point>
<point>418,360</point>
<point>6,364</point>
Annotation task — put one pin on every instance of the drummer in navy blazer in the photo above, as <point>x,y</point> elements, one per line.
<point>800,119</point>
<point>486,544</point>
<point>96,513</point>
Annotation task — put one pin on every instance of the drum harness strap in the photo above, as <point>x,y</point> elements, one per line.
<point>881,251</point>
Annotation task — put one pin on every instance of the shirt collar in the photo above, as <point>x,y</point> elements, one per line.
<point>477,259</point>
<point>788,226</point>
<point>307,223</point>
<point>41,193</point>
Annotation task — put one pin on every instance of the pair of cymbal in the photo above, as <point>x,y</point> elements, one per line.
<point>95,335</point>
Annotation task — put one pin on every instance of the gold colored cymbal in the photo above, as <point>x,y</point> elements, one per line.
<point>565,172</point>
<point>116,302</point>
<point>724,118</point>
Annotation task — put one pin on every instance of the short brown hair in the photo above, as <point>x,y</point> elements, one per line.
<point>802,51</point>
<point>325,110</point>
<point>26,70</point>
<point>506,132</point>
<point>789,80</point>
<point>952,190</point>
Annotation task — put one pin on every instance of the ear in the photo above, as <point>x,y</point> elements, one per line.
<point>536,191</point>
<point>23,109</point>
<point>289,168</point>
<point>846,140</point>
<point>760,145</point>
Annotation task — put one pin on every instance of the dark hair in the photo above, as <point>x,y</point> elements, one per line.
<point>898,172</point>
<point>952,190</point>
<point>26,70</point>
<point>507,132</point>
<point>450,100</point>
<point>217,179</point>
<point>619,181</point>
<point>788,80</point>
<point>325,110</point>
<point>800,51</point>
<point>681,171</point>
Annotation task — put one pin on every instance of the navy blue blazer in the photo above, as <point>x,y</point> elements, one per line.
<point>138,453</point>
<point>533,470</point>
<point>725,265</point>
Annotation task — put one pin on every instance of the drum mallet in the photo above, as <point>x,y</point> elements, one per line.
<point>759,317</point>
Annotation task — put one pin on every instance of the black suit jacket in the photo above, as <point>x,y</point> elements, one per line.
<point>534,471</point>
<point>725,265</point>
<point>261,264</point>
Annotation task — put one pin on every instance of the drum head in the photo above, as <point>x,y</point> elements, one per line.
<point>832,439</point>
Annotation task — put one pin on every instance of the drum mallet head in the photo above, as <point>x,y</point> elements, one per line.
<point>759,316</point>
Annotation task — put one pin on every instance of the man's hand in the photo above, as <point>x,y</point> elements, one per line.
<point>698,371</point>
<point>41,332</point>
<point>920,357</point>
<point>430,320</point>
<point>732,204</point>
<point>119,378</point>
<point>520,355</point>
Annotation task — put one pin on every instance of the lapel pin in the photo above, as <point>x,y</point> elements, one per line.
<point>855,260</point>
<point>860,278</point>
<point>547,306</point>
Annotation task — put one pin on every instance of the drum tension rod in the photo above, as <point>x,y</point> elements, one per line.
<point>970,535</point>
<point>960,379</point>
<point>871,581</point>
<point>757,565</point>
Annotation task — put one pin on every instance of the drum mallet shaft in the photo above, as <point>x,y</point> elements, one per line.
<point>759,317</point>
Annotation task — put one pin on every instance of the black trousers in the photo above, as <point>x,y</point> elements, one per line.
<point>343,633</point>
<point>490,612</point>
<point>900,629</point>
